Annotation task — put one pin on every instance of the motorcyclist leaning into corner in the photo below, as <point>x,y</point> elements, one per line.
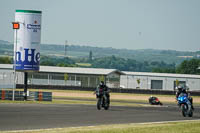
<point>182,89</point>
<point>104,88</point>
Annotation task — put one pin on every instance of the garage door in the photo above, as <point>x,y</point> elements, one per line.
<point>156,84</point>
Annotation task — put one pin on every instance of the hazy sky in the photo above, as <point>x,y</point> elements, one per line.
<point>131,24</point>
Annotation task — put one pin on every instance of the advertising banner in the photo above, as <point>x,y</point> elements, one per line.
<point>27,40</point>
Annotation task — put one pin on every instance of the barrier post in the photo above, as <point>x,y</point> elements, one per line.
<point>40,96</point>
<point>3,95</point>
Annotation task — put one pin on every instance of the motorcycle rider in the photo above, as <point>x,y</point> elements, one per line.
<point>182,89</point>
<point>154,100</point>
<point>104,89</point>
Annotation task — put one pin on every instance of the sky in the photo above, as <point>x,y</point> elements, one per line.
<point>129,24</point>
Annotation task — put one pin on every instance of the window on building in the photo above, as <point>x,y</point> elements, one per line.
<point>39,76</point>
<point>181,83</point>
<point>113,80</point>
<point>156,84</point>
<point>57,76</point>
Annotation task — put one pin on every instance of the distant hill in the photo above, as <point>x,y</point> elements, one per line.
<point>168,56</point>
<point>76,51</point>
<point>6,48</point>
<point>4,42</point>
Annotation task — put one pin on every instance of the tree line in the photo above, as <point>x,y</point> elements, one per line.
<point>113,62</point>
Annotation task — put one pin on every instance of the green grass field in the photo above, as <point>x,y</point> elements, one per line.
<point>167,127</point>
<point>84,64</point>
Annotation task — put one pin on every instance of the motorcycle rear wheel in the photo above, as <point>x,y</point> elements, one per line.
<point>190,114</point>
<point>106,107</point>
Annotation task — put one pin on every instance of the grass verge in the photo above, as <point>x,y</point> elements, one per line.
<point>123,97</point>
<point>167,127</point>
<point>78,102</point>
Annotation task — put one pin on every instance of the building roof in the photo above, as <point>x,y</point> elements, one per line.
<point>6,66</point>
<point>150,74</point>
<point>100,71</point>
<point>73,70</point>
<point>77,70</point>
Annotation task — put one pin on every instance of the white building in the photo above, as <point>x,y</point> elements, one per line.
<point>90,77</point>
<point>61,76</point>
<point>163,81</point>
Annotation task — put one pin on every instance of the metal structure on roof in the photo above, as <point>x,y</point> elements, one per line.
<point>76,70</point>
<point>6,66</point>
<point>100,71</point>
<point>162,74</point>
<point>73,70</point>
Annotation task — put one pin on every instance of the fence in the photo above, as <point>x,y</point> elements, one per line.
<point>117,90</point>
<point>19,95</point>
<point>7,95</point>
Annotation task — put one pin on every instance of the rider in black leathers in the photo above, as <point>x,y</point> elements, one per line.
<point>104,89</point>
<point>182,89</point>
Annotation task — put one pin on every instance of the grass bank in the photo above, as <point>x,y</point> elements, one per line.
<point>78,102</point>
<point>168,127</point>
<point>123,97</point>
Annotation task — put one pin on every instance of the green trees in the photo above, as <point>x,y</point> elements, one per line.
<point>129,64</point>
<point>186,67</point>
<point>113,62</point>
<point>5,60</point>
<point>90,56</point>
<point>164,70</point>
<point>55,61</point>
<point>189,67</point>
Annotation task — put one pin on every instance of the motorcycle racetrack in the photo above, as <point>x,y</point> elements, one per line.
<point>43,116</point>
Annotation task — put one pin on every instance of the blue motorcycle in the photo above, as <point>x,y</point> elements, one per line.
<point>185,105</point>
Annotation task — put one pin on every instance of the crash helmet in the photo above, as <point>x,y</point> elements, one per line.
<point>101,83</point>
<point>180,88</point>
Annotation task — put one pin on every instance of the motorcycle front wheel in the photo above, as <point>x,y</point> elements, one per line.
<point>190,114</point>
<point>99,104</point>
<point>184,110</point>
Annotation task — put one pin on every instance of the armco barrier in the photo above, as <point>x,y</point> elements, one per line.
<point>7,95</point>
<point>43,96</point>
<point>31,96</point>
<point>117,90</point>
<point>19,95</point>
<point>3,94</point>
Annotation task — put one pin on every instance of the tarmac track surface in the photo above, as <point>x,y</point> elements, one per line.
<point>42,116</point>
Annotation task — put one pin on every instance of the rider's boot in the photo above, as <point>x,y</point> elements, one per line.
<point>192,107</point>
<point>103,103</point>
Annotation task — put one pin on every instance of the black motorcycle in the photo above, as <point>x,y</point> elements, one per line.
<point>154,101</point>
<point>102,100</point>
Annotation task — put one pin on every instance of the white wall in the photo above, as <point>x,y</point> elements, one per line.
<point>129,81</point>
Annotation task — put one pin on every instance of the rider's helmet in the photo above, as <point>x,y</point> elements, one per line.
<point>184,90</point>
<point>101,83</point>
<point>180,88</point>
